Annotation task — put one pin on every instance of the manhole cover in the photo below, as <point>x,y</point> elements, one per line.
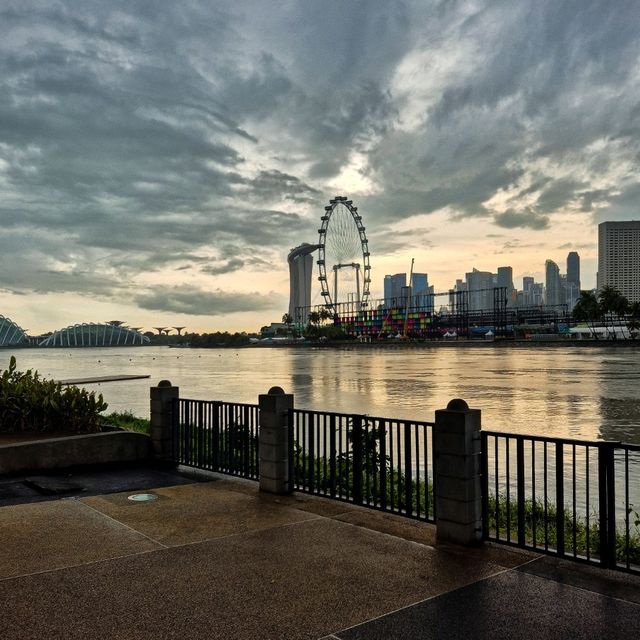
<point>143,497</point>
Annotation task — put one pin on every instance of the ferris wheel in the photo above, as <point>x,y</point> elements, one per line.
<point>343,255</point>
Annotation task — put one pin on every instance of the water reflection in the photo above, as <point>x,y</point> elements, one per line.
<point>591,393</point>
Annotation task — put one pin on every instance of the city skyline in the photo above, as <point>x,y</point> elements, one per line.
<point>158,166</point>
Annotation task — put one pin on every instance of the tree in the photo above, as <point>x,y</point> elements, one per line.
<point>588,310</point>
<point>287,319</point>
<point>633,323</point>
<point>612,304</point>
<point>324,314</point>
<point>314,318</point>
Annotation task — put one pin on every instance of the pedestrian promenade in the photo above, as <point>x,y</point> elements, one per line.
<point>218,559</point>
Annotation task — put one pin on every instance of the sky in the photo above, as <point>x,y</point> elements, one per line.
<point>159,159</point>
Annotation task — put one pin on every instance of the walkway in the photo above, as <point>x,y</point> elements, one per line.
<point>219,560</point>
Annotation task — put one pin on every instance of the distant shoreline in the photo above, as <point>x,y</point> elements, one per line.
<point>453,344</point>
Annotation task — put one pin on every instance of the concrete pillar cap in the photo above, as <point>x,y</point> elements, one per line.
<point>165,383</point>
<point>457,404</point>
<point>276,391</point>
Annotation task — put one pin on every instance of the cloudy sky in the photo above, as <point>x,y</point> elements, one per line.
<point>159,159</point>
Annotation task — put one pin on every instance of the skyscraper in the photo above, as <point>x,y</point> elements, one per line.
<point>421,291</point>
<point>393,286</point>
<point>619,257</point>
<point>480,286</point>
<point>300,269</point>
<point>553,283</point>
<point>573,278</point>
<point>505,279</point>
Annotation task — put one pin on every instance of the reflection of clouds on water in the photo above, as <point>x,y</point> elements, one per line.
<point>591,393</point>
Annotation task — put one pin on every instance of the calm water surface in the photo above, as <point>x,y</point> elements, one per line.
<point>591,393</point>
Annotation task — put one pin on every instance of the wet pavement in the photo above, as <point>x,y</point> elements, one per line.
<point>219,559</point>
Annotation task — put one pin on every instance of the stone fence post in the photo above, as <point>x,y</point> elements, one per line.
<point>457,474</point>
<point>273,420</point>
<point>161,418</point>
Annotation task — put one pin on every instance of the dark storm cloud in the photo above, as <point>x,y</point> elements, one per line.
<point>136,137</point>
<point>511,219</point>
<point>194,301</point>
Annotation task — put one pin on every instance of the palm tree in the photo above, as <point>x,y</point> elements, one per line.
<point>324,314</point>
<point>314,317</point>
<point>287,319</point>
<point>633,323</point>
<point>588,310</point>
<point>612,303</point>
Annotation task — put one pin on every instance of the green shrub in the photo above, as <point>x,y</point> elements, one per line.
<point>31,403</point>
<point>127,420</point>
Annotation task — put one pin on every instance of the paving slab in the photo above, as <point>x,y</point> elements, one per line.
<point>512,606</point>
<point>16,490</point>
<point>616,584</point>
<point>195,512</point>
<point>50,535</point>
<point>300,580</point>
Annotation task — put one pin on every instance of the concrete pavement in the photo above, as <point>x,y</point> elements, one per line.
<point>220,560</point>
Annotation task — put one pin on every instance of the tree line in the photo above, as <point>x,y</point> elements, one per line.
<point>609,308</point>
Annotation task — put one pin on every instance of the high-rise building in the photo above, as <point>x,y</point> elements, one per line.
<point>421,291</point>
<point>573,278</point>
<point>393,288</point>
<point>619,257</point>
<point>553,284</point>
<point>480,285</point>
<point>505,279</point>
<point>300,270</point>
<point>527,291</point>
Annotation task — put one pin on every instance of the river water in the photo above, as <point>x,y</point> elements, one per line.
<point>591,393</point>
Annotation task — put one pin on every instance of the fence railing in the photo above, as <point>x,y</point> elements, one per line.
<point>571,498</point>
<point>576,499</point>
<point>381,463</point>
<point>216,436</point>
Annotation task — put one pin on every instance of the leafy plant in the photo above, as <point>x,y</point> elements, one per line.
<point>127,420</point>
<point>31,403</point>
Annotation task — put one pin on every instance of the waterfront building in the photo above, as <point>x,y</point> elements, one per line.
<point>505,279</point>
<point>11,334</point>
<point>393,288</point>
<point>553,284</point>
<point>480,285</point>
<point>619,257</point>
<point>573,278</point>
<point>527,291</point>
<point>300,271</point>
<point>422,291</point>
<point>92,334</point>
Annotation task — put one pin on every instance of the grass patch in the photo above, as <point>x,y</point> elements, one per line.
<point>127,420</point>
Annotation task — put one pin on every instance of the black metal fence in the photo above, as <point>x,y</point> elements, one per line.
<point>216,436</point>
<point>576,499</point>
<point>573,498</point>
<point>381,463</point>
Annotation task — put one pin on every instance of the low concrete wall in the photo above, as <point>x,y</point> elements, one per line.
<point>60,453</point>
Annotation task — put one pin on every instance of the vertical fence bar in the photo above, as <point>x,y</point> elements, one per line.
<point>356,447</point>
<point>311,452</point>
<point>383,464</point>
<point>332,460</point>
<point>484,461</point>
<point>408,484</point>
<point>521,488</point>
<point>291,422</point>
<point>604,462</point>
<point>560,498</point>
<point>187,433</point>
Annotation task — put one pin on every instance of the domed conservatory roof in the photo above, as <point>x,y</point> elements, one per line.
<point>11,333</point>
<point>94,335</point>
